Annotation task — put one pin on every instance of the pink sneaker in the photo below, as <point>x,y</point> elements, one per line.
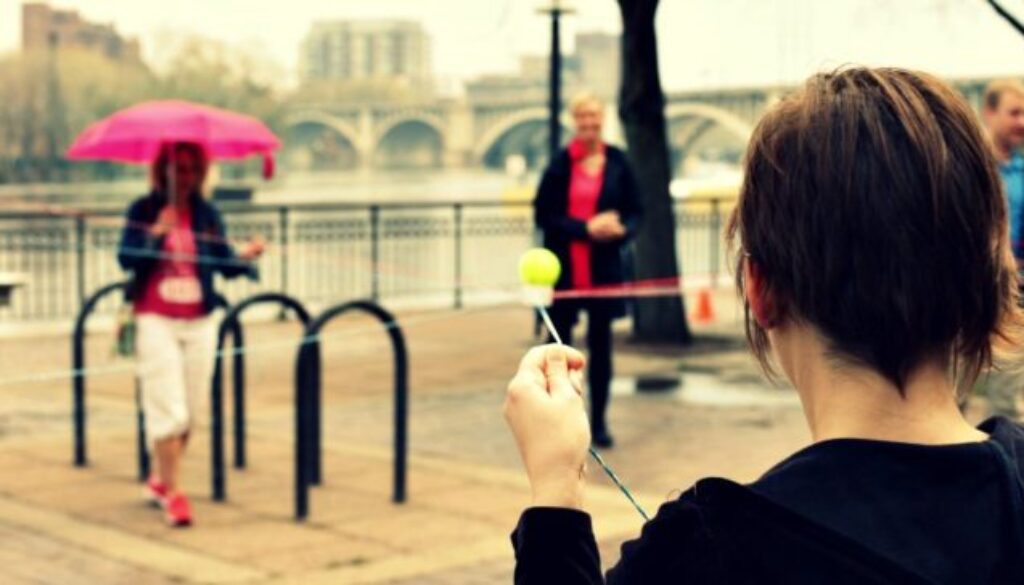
<point>155,492</point>
<point>177,510</point>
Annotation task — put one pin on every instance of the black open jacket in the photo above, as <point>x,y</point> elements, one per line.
<point>139,251</point>
<point>845,511</point>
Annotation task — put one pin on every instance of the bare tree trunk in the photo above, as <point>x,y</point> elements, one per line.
<point>642,110</point>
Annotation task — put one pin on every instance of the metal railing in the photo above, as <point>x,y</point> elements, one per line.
<point>417,253</point>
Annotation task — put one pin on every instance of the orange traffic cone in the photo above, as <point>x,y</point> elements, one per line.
<point>705,312</point>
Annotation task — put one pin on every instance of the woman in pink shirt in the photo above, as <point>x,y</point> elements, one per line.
<point>588,206</point>
<point>173,243</point>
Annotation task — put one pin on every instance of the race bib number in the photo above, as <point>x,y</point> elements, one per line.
<point>180,290</point>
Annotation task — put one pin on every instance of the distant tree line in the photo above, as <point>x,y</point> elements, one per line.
<point>48,97</point>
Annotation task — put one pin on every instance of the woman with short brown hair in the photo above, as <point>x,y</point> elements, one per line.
<point>874,263</point>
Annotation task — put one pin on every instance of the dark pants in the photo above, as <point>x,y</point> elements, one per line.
<point>599,342</point>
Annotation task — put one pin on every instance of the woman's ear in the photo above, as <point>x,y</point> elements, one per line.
<point>760,299</point>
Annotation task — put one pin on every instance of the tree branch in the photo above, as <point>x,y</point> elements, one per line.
<point>1007,16</point>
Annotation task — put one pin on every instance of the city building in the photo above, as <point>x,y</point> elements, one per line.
<point>530,84</point>
<point>41,24</point>
<point>594,66</point>
<point>599,63</point>
<point>366,50</point>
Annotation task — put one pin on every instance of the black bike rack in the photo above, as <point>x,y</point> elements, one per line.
<point>308,452</point>
<point>78,418</point>
<point>78,376</point>
<point>231,324</point>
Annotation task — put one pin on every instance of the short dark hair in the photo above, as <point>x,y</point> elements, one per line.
<point>872,207</point>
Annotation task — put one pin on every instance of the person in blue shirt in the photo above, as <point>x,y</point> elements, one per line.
<point>1003,114</point>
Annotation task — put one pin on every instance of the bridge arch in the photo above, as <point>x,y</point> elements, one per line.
<point>690,122</point>
<point>386,126</point>
<point>496,132</point>
<point>724,118</point>
<point>346,130</point>
<point>343,146</point>
<point>399,145</point>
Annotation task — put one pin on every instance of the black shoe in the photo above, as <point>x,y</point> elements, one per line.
<point>602,439</point>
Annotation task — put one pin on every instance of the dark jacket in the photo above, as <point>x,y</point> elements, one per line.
<point>139,252</point>
<point>619,192</point>
<point>845,511</point>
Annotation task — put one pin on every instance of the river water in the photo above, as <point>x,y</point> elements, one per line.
<point>448,185</point>
<point>464,185</point>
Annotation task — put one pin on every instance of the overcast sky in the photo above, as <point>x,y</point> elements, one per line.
<point>702,42</point>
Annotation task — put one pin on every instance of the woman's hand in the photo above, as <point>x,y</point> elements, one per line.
<point>606,227</point>
<point>544,409</point>
<point>253,248</point>
<point>165,221</point>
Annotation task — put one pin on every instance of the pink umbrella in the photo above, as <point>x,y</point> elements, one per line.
<point>135,134</point>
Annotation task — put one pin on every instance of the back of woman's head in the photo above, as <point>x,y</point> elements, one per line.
<point>872,208</point>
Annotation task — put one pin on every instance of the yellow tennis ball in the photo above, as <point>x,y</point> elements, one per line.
<point>539,267</point>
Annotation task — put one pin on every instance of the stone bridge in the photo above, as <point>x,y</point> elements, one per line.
<point>460,133</point>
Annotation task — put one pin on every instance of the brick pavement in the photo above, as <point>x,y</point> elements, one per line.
<point>466,488</point>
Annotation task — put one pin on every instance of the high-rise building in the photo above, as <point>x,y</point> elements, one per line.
<point>366,50</point>
<point>42,25</point>
<point>595,66</point>
<point>538,68</point>
<point>599,62</point>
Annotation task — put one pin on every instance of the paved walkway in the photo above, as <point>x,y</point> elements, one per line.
<point>61,524</point>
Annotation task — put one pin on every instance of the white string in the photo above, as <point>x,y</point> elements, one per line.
<point>600,461</point>
<point>65,374</point>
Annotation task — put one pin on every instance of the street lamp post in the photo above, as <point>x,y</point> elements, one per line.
<point>555,9</point>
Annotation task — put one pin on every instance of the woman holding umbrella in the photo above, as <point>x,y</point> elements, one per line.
<point>173,242</point>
